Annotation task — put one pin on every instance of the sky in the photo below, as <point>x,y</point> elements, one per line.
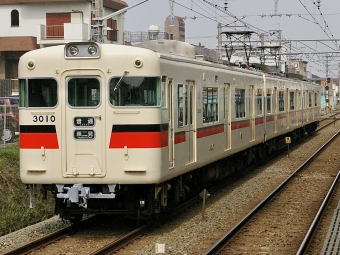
<point>302,22</point>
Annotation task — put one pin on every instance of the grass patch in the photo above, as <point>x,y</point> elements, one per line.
<point>14,207</point>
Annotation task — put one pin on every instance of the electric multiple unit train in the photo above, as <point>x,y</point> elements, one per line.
<point>134,130</point>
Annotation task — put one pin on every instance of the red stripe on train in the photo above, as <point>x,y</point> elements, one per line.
<point>180,137</point>
<point>138,139</point>
<point>37,140</point>
<point>240,124</point>
<point>210,131</point>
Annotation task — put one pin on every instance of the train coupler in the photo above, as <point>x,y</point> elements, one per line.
<point>79,194</point>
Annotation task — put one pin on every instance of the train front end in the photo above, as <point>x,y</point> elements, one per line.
<point>92,129</point>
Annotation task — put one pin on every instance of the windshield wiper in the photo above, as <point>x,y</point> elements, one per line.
<point>120,80</point>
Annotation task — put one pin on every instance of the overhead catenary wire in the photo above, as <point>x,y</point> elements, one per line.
<point>209,10</point>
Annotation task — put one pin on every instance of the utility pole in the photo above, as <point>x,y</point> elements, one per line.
<point>326,85</point>
<point>171,2</point>
<point>337,91</point>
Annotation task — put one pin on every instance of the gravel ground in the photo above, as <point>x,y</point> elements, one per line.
<point>189,232</point>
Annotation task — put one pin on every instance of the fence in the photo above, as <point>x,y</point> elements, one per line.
<point>9,123</point>
<point>5,87</point>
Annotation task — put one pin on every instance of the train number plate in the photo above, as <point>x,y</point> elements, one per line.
<point>84,134</point>
<point>84,122</point>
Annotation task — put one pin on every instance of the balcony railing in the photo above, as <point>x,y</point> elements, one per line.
<point>63,33</point>
<point>135,37</point>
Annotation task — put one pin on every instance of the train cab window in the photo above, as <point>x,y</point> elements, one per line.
<point>38,93</point>
<point>269,100</point>
<point>210,105</point>
<point>259,98</point>
<point>83,92</point>
<point>281,101</point>
<point>135,91</point>
<point>240,102</point>
<point>291,100</point>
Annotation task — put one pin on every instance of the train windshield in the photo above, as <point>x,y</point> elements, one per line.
<point>135,91</point>
<point>38,93</point>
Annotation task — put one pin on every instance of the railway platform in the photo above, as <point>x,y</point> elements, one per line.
<point>331,244</point>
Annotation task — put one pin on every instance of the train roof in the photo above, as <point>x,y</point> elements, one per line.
<point>173,49</point>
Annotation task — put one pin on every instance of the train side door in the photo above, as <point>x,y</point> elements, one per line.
<point>275,104</point>
<point>252,112</point>
<point>287,109</point>
<point>227,124</point>
<point>191,120</point>
<point>84,125</point>
<point>171,125</point>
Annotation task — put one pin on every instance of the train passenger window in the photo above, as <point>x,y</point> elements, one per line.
<point>240,103</point>
<point>310,99</point>
<point>315,99</point>
<point>181,99</point>
<point>291,100</point>
<point>299,100</point>
<point>83,92</point>
<point>226,101</point>
<point>38,93</point>
<point>210,105</point>
<point>135,91</point>
<point>259,98</point>
<point>269,100</point>
<point>281,101</point>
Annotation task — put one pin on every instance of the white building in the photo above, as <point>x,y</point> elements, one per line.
<point>30,24</point>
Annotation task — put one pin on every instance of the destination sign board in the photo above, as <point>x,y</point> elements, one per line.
<point>84,122</point>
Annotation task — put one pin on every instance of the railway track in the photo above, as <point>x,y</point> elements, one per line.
<point>114,244</point>
<point>278,225</point>
<point>330,119</point>
<point>89,237</point>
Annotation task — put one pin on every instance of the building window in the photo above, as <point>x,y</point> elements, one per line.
<point>112,32</point>
<point>14,18</point>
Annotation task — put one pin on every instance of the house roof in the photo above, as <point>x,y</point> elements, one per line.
<point>113,4</point>
<point>18,43</point>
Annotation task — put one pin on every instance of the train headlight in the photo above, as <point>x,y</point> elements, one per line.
<point>82,50</point>
<point>74,50</point>
<point>138,63</point>
<point>92,50</point>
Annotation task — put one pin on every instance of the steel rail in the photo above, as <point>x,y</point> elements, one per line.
<point>219,245</point>
<point>306,241</point>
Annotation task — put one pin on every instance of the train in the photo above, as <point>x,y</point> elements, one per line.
<point>136,130</point>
